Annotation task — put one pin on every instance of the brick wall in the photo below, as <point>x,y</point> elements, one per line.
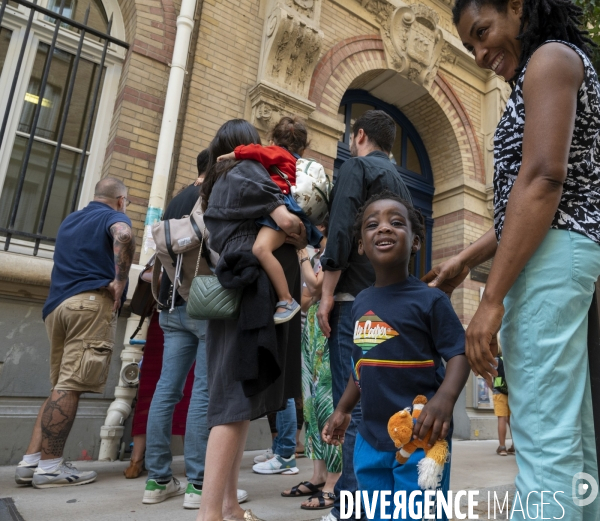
<point>340,24</point>
<point>471,99</point>
<point>435,129</point>
<point>131,151</point>
<point>452,233</point>
<point>225,66</point>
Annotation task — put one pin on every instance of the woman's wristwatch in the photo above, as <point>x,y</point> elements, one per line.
<point>303,259</point>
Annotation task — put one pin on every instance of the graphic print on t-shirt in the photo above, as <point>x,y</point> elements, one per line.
<point>370,331</point>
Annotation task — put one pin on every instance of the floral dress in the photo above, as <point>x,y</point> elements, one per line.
<point>317,394</point>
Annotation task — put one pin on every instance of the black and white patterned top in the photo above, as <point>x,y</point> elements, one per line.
<point>579,207</point>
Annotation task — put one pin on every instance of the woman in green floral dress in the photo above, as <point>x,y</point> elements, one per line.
<point>317,395</point>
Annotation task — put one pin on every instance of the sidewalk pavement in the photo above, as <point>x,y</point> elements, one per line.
<point>475,465</point>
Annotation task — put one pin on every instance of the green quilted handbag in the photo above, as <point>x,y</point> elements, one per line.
<point>208,300</point>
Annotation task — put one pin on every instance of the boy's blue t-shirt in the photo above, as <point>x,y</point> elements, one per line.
<point>401,334</point>
<point>83,256</point>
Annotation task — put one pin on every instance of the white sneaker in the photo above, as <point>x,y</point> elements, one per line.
<point>277,465</point>
<point>261,458</point>
<point>24,473</point>
<point>193,497</point>
<point>329,517</point>
<point>157,493</point>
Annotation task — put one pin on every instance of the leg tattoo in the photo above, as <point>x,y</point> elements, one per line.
<point>57,420</point>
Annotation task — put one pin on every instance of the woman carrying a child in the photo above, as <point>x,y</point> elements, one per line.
<point>545,241</point>
<point>289,139</point>
<point>235,195</point>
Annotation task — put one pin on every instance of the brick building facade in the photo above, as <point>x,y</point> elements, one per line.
<point>325,60</point>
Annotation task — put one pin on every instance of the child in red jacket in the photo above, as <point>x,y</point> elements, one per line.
<point>289,139</point>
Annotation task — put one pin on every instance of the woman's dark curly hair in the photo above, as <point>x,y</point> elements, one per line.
<point>417,223</point>
<point>542,20</point>
<point>233,133</point>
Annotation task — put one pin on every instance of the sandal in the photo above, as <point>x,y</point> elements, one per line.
<point>511,451</point>
<point>248,516</point>
<point>501,451</point>
<point>135,469</point>
<point>295,491</point>
<point>322,497</point>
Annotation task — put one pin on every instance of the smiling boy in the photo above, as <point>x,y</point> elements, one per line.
<point>403,330</point>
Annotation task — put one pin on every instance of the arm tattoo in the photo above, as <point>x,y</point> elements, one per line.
<point>123,248</point>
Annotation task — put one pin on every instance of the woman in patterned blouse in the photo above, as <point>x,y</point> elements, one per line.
<point>545,241</point>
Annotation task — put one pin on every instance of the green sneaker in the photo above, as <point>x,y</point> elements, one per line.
<point>157,493</point>
<point>192,497</point>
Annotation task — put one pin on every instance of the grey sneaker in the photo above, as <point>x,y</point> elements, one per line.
<point>24,473</point>
<point>64,476</point>
<point>277,465</point>
<point>261,458</point>
<point>290,310</point>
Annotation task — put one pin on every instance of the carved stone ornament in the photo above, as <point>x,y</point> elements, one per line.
<point>270,103</point>
<point>448,55</point>
<point>412,38</point>
<point>291,48</point>
<point>306,7</point>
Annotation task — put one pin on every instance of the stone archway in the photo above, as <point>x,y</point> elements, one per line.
<point>340,66</point>
<point>364,57</point>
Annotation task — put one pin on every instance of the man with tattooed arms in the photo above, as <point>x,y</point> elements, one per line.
<point>93,254</point>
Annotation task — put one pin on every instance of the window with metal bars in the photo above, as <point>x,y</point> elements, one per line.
<point>58,64</point>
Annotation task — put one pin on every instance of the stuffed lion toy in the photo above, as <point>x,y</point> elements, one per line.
<point>400,429</point>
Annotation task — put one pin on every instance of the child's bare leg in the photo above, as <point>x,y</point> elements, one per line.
<point>267,241</point>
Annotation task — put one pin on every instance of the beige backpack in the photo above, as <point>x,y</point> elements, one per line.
<point>178,252</point>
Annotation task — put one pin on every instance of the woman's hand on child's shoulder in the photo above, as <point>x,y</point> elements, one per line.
<point>334,431</point>
<point>435,416</point>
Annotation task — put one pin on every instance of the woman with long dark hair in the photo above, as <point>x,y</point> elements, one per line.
<point>235,194</point>
<point>545,241</point>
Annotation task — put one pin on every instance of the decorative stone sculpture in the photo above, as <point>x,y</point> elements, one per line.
<point>291,47</point>
<point>412,38</point>
<point>269,103</point>
<point>290,52</point>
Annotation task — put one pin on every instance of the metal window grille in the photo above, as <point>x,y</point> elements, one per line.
<point>106,39</point>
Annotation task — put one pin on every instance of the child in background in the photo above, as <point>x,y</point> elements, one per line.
<point>501,408</point>
<point>289,139</point>
<point>403,331</point>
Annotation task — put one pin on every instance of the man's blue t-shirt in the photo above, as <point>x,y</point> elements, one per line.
<point>83,256</point>
<point>401,334</point>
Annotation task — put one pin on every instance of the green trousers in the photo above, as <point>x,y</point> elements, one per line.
<point>544,344</point>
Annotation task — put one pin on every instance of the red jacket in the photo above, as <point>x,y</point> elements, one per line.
<point>268,157</point>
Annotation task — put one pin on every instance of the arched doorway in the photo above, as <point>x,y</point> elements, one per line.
<point>408,154</point>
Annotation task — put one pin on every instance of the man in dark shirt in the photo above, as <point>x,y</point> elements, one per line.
<point>184,344</point>
<point>92,257</point>
<point>346,273</point>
